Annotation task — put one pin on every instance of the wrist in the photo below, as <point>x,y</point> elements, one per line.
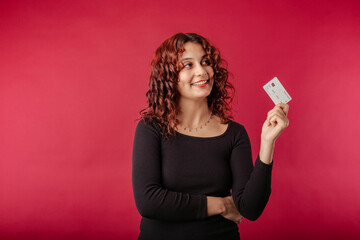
<point>266,151</point>
<point>265,141</point>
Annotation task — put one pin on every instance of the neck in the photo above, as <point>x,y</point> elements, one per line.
<point>193,113</point>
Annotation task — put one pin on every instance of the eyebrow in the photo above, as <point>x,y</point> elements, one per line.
<point>184,59</point>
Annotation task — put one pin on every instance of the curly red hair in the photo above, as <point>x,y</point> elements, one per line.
<point>162,93</point>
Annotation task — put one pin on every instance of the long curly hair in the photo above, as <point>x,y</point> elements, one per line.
<point>163,94</point>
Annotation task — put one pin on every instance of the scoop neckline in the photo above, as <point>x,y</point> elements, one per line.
<point>205,138</point>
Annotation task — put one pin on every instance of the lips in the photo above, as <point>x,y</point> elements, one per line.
<point>201,84</point>
<point>200,81</point>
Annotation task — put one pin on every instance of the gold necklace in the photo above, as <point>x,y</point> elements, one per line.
<point>201,126</point>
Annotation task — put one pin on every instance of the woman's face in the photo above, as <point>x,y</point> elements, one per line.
<point>196,79</point>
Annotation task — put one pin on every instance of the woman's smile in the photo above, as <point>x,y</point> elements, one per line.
<point>201,83</point>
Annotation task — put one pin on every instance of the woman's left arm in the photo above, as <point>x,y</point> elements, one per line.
<point>252,185</point>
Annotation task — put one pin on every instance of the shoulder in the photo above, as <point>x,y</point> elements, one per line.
<point>148,126</point>
<point>236,126</point>
<point>239,133</point>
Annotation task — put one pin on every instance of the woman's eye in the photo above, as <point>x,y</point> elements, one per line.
<point>206,62</point>
<point>187,65</point>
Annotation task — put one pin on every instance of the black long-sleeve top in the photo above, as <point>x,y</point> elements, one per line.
<point>172,177</point>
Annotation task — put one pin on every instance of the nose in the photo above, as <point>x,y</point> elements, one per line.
<point>200,71</point>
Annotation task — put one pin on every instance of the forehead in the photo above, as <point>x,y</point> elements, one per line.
<point>193,50</point>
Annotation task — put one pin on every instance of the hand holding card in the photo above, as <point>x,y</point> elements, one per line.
<point>276,120</point>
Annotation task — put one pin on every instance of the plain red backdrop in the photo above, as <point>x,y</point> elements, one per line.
<point>73,78</point>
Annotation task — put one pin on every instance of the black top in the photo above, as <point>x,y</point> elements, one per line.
<point>172,177</point>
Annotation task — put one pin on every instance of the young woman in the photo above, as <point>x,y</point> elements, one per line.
<point>193,174</point>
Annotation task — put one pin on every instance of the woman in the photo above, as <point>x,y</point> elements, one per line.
<point>193,174</point>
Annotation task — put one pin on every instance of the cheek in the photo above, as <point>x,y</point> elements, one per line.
<point>183,78</point>
<point>182,83</point>
<point>210,72</point>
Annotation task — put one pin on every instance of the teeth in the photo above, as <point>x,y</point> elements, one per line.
<point>199,83</point>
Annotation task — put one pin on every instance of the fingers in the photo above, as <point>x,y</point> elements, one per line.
<point>278,119</point>
<point>284,107</point>
<point>281,108</point>
<point>276,111</point>
<point>278,115</point>
<point>238,221</point>
<point>232,213</point>
<point>275,114</point>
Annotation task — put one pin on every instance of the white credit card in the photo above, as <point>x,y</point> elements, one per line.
<point>276,91</point>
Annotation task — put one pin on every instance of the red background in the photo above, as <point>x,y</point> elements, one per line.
<point>73,77</point>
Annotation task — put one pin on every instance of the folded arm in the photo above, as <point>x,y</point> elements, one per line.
<point>152,199</point>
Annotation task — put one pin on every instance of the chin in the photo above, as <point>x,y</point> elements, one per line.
<point>204,95</point>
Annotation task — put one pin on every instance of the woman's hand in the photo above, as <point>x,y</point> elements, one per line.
<point>223,206</point>
<point>275,123</point>
<point>231,212</point>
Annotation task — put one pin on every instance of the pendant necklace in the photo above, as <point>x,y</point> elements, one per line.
<point>201,126</point>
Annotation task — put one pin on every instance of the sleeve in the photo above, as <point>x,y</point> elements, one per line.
<point>151,198</point>
<point>251,185</point>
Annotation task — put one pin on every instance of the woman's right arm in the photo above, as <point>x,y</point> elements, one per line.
<point>152,199</point>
